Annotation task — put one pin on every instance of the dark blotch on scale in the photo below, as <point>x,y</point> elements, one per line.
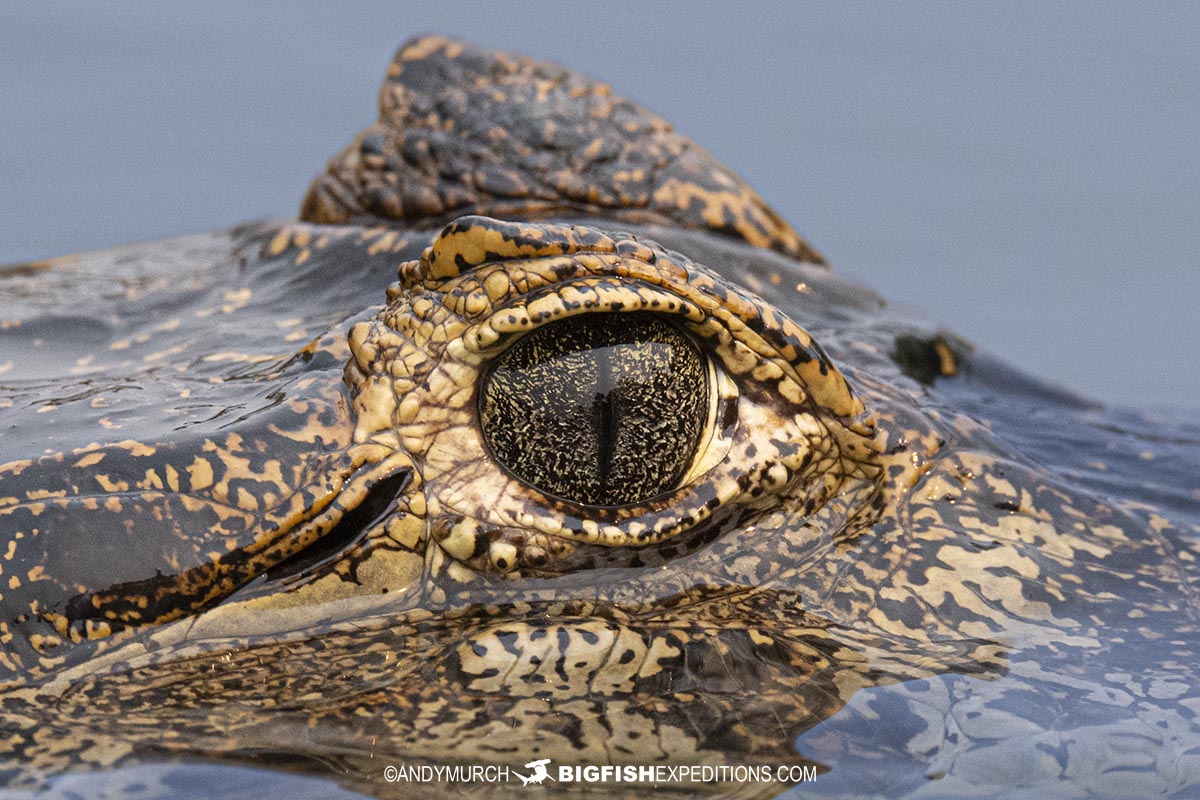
<point>600,409</point>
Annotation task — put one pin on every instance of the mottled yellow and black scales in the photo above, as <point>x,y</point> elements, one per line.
<point>257,505</point>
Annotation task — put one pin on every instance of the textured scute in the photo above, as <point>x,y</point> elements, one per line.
<point>463,130</point>
<point>249,519</point>
<point>198,433</point>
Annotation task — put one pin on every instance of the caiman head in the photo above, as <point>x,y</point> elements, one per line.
<point>569,492</point>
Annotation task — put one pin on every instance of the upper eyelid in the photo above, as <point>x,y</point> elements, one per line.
<point>536,259</point>
<point>527,311</point>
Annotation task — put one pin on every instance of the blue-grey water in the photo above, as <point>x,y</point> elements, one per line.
<point>1027,173</point>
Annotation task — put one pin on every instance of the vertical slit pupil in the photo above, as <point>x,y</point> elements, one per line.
<point>600,409</point>
<point>607,435</point>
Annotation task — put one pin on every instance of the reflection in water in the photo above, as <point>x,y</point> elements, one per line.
<point>957,736</point>
<point>188,782</point>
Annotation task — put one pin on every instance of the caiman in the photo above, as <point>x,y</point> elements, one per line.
<point>539,435</point>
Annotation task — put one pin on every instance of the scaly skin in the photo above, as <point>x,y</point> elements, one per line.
<point>290,545</point>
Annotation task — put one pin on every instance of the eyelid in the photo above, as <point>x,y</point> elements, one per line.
<point>593,295</point>
<point>796,417</point>
<point>695,500</point>
<point>477,264</point>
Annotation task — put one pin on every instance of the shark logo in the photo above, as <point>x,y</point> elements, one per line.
<point>538,775</point>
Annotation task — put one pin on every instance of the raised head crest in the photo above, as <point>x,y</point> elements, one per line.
<point>463,130</point>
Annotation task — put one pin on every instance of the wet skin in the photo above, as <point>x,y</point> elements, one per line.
<point>387,485</point>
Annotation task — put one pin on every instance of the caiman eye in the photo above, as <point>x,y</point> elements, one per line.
<point>574,399</point>
<point>600,409</point>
